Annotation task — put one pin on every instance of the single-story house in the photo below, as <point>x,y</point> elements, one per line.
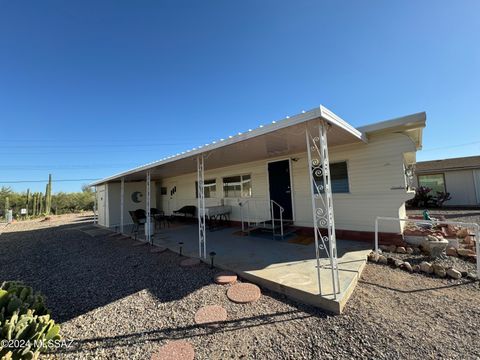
<point>312,173</point>
<point>369,168</point>
<point>458,176</point>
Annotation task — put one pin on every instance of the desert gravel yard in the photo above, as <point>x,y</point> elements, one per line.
<point>117,301</point>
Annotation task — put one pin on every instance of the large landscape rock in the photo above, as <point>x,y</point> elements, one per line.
<point>426,267</point>
<point>373,257</point>
<point>435,246</point>
<point>454,274</point>
<point>439,270</point>
<point>465,252</point>
<point>382,259</point>
<point>461,234</point>
<point>401,250</point>
<point>397,263</point>
<point>451,251</point>
<point>407,267</point>
<point>469,240</point>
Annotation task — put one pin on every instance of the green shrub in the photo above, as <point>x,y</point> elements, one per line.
<point>24,321</point>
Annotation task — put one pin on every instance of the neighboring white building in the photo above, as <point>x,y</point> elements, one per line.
<point>368,168</point>
<point>458,176</point>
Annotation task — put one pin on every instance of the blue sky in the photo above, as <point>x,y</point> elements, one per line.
<point>90,88</point>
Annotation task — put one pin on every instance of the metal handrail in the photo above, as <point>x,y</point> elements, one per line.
<point>280,207</point>
<point>241,203</point>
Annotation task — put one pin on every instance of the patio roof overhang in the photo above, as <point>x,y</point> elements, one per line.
<point>280,138</point>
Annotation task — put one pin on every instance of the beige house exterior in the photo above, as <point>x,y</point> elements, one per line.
<point>458,176</point>
<point>372,168</point>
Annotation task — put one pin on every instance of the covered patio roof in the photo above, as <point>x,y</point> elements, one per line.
<point>279,138</point>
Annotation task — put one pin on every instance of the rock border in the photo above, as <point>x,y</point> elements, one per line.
<point>424,267</point>
<point>463,253</point>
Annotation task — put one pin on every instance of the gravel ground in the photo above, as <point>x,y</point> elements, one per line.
<point>116,301</point>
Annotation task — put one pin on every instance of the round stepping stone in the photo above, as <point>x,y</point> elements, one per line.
<point>225,277</point>
<point>210,314</point>
<point>190,262</point>
<point>244,293</point>
<point>175,350</point>
<point>158,249</point>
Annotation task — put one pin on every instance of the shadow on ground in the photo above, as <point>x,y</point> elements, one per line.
<point>78,272</point>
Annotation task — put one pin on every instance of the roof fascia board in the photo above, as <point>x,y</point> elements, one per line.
<point>413,121</point>
<point>263,129</point>
<point>330,116</point>
<point>320,112</point>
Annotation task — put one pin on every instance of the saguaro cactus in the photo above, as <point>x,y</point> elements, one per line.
<point>46,199</point>
<point>34,204</point>
<point>48,196</point>
<point>7,205</point>
<point>28,201</point>
<point>40,203</point>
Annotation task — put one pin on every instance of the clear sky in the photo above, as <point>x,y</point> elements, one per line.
<point>90,88</point>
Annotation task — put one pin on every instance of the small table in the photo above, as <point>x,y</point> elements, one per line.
<point>217,216</point>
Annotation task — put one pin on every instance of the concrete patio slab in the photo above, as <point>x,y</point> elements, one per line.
<point>280,266</point>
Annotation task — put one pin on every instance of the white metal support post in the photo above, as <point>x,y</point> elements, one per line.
<point>322,202</point>
<point>148,234</point>
<point>95,206</point>
<point>122,203</point>
<point>202,236</point>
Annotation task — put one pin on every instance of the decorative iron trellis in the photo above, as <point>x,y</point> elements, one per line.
<point>148,206</point>
<point>322,203</point>
<point>202,241</point>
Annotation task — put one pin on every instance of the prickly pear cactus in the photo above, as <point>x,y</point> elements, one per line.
<point>25,319</point>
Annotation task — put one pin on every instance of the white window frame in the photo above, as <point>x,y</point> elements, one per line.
<point>348,178</point>
<point>241,186</point>
<point>207,197</point>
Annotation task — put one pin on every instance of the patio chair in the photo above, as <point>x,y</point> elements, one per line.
<point>139,218</point>
<point>155,211</point>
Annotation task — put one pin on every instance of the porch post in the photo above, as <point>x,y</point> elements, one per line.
<point>202,236</point>
<point>95,206</point>
<point>148,235</point>
<point>322,203</point>
<point>122,201</point>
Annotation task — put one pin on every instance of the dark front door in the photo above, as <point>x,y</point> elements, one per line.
<point>280,187</point>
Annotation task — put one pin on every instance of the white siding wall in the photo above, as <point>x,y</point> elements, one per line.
<point>374,169</point>
<point>461,186</point>
<point>101,205</point>
<point>112,197</point>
